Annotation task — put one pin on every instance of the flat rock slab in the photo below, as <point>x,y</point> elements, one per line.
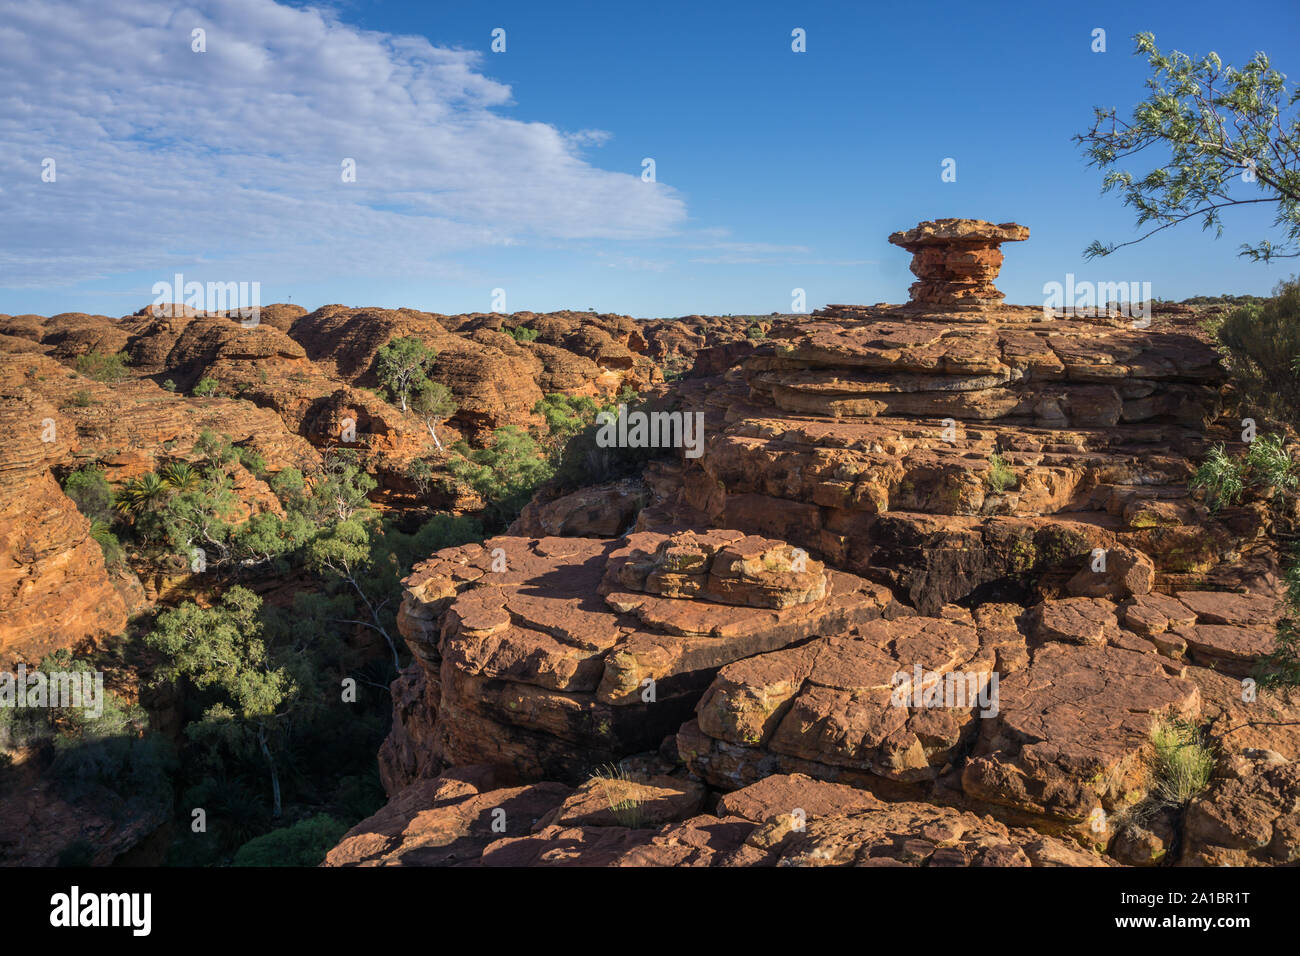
<point>886,704</point>
<point>548,653</point>
<point>1072,733</point>
<point>1249,816</point>
<point>784,820</point>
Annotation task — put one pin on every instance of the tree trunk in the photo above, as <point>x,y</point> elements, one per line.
<point>435,435</point>
<point>275,774</point>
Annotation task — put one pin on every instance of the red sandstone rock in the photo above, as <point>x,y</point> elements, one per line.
<point>957,261</point>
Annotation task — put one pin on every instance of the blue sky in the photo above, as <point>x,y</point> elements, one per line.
<point>522,170</point>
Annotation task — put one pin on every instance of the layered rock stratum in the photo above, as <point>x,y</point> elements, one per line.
<point>1005,583</point>
<point>935,578</point>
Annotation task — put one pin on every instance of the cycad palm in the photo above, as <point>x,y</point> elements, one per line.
<point>140,494</point>
<point>181,476</point>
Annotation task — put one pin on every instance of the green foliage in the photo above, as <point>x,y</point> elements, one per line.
<point>206,386</point>
<point>1182,764</point>
<point>1270,465</point>
<point>1216,124</point>
<point>110,755</point>
<point>141,495</point>
<point>221,647</point>
<point>213,451</point>
<point>169,385</point>
<point>1266,467</point>
<point>420,473</point>
<point>521,334</point>
<point>565,416</point>
<point>403,364</point>
<point>181,476</point>
<point>756,331</point>
<point>102,366</point>
<point>504,474</point>
<point>433,403</point>
<point>1281,667</point>
<point>1261,347</point>
<point>303,844</point>
<point>1222,477</point>
<point>89,490</point>
<point>267,538</point>
<point>340,489</point>
<point>81,399</point>
<point>114,556</point>
<point>1000,477</point>
<point>251,460</point>
<point>198,519</point>
<point>288,485</point>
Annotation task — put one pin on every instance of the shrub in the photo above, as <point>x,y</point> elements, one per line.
<point>303,844</point>
<point>521,334</point>
<point>169,385</point>
<point>1270,465</point>
<point>102,366</point>
<point>207,386</point>
<point>1000,477</point>
<point>114,556</point>
<point>81,399</point>
<point>89,491</point>
<point>1223,478</point>
<point>623,805</point>
<point>251,460</point>
<point>1261,347</point>
<point>1266,467</point>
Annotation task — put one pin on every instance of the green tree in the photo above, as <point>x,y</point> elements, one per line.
<point>221,649</point>
<point>347,551</point>
<point>1233,139</point>
<point>433,403</point>
<point>505,474</point>
<point>565,416</point>
<point>341,488</point>
<point>89,490</point>
<point>403,364</point>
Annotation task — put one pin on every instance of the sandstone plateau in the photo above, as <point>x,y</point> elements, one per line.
<point>744,647</point>
<point>936,577</point>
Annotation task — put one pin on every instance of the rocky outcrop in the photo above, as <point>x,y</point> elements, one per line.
<point>1250,815</point>
<point>954,455</point>
<point>1050,593</point>
<point>783,820</point>
<point>552,656</point>
<point>956,261</point>
<point>888,705</point>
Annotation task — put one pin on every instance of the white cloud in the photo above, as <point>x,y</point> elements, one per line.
<point>232,156</point>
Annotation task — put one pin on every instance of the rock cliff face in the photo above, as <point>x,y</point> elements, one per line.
<point>961,580</point>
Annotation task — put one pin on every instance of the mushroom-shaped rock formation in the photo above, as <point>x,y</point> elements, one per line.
<point>957,261</point>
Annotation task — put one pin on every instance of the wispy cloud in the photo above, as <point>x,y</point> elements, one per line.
<point>233,156</point>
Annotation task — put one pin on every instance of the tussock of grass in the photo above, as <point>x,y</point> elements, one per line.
<point>1000,477</point>
<point>625,808</point>
<point>1182,764</point>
